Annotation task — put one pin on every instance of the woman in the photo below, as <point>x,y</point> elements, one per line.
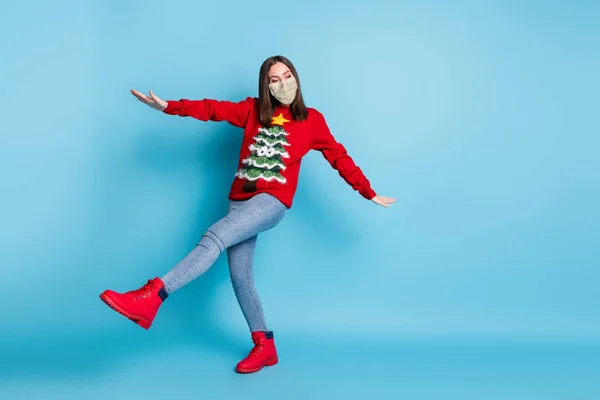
<point>278,131</point>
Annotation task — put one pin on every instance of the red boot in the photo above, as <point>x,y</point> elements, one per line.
<point>140,305</point>
<point>263,354</point>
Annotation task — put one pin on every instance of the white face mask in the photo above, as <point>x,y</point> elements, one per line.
<point>284,91</point>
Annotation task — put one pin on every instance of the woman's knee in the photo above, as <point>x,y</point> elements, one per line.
<point>211,239</point>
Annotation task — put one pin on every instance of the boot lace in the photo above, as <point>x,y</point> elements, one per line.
<point>256,349</point>
<point>144,291</point>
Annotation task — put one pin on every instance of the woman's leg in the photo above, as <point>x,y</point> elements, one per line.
<point>245,220</point>
<point>241,270</point>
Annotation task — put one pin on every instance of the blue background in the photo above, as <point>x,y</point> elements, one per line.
<point>481,118</point>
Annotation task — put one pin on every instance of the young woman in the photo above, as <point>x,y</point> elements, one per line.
<point>278,131</point>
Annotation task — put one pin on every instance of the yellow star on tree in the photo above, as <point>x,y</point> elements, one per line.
<point>279,120</point>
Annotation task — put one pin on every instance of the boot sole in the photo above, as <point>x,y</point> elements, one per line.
<point>269,363</point>
<point>139,321</point>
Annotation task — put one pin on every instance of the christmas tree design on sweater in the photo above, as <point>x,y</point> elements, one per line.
<point>267,154</point>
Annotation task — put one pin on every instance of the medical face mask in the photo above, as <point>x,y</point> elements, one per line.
<point>284,91</point>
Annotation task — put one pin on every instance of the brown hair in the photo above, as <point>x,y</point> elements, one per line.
<point>266,101</point>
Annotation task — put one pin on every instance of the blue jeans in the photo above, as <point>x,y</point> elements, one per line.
<point>236,232</point>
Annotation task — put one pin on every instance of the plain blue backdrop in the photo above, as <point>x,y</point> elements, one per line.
<point>481,118</point>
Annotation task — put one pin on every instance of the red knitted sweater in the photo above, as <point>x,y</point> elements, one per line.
<point>270,157</point>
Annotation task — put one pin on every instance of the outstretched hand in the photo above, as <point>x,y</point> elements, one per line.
<point>383,200</point>
<point>153,101</point>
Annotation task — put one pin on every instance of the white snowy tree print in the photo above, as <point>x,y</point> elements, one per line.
<point>267,154</point>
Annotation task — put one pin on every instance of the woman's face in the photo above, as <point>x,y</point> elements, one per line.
<point>279,72</point>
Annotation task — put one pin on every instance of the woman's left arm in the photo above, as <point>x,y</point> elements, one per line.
<point>336,154</point>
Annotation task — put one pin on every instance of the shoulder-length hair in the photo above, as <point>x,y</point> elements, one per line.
<point>266,101</point>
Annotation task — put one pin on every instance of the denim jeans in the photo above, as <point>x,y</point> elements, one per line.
<point>237,232</point>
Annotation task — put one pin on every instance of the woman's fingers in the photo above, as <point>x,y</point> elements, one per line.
<point>137,94</point>
<point>160,103</point>
<point>384,200</point>
<point>141,96</point>
<point>153,101</point>
<point>155,97</point>
<point>378,200</point>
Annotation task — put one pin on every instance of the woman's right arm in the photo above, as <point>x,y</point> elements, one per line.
<point>205,110</point>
